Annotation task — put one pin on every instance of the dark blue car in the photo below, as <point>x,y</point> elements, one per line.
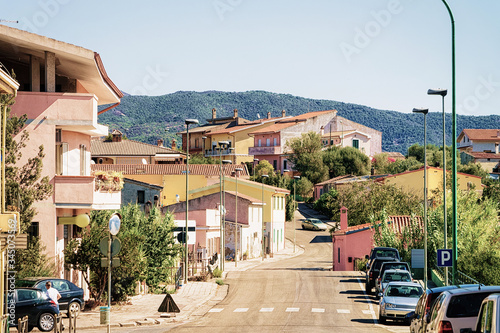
<point>35,304</point>
<point>71,295</point>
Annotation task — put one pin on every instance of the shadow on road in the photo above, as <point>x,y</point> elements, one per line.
<point>322,239</point>
<point>364,321</point>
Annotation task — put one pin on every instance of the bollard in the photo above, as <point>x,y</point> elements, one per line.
<point>104,315</point>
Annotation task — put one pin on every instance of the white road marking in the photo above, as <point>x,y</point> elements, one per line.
<point>292,309</point>
<point>368,312</point>
<point>317,310</point>
<point>241,310</point>
<point>343,311</point>
<point>374,317</point>
<point>266,310</point>
<point>215,310</point>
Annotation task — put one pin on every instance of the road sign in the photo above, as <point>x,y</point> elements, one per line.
<point>114,223</point>
<point>444,258</point>
<point>115,262</point>
<point>417,258</point>
<point>116,246</point>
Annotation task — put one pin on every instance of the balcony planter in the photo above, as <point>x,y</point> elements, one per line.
<point>111,181</point>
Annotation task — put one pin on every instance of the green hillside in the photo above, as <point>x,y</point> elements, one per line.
<point>149,118</point>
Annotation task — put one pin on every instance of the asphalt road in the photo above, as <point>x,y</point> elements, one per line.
<point>299,294</point>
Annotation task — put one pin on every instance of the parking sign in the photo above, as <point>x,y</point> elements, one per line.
<point>444,258</point>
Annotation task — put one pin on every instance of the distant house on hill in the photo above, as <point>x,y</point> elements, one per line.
<point>481,146</point>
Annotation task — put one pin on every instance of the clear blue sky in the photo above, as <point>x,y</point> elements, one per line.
<point>380,53</point>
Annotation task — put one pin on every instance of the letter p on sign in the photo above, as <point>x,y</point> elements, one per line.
<point>444,258</point>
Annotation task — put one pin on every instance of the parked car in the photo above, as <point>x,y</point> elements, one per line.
<point>393,275</point>
<point>35,304</point>
<point>456,310</point>
<point>314,224</point>
<point>390,265</point>
<point>398,301</point>
<point>488,319</point>
<point>71,295</point>
<point>383,252</point>
<point>373,271</point>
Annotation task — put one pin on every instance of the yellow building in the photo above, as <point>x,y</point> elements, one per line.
<point>413,181</point>
<point>172,177</point>
<point>274,198</point>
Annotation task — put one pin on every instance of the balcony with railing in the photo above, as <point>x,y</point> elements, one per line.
<point>271,150</point>
<point>218,152</point>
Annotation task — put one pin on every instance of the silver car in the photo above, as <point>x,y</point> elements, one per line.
<point>399,300</point>
<point>393,275</point>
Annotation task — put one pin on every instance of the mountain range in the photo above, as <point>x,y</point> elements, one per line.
<point>149,118</point>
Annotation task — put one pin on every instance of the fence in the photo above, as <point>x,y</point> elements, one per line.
<point>461,277</point>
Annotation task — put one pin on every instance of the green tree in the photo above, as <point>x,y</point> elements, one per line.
<point>307,158</point>
<point>200,159</point>
<point>346,161</point>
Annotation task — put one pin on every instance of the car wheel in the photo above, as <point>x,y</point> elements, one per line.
<point>381,319</point>
<point>303,228</point>
<point>46,322</point>
<point>74,307</point>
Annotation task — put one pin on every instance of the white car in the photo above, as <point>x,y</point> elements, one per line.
<point>399,301</point>
<point>456,310</point>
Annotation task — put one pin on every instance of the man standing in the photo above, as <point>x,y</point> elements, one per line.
<point>53,294</point>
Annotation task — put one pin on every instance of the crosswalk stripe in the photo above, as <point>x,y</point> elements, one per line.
<point>343,311</point>
<point>241,310</point>
<point>317,310</point>
<point>368,312</point>
<point>215,310</point>
<point>292,309</point>
<point>266,310</point>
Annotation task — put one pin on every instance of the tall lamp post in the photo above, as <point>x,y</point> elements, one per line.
<point>223,253</point>
<point>222,144</point>
<point>442,93</point>
<point>263,204</point>
<point>203,149</point>
<point>424,112</point>
<point>294,209</point>
<point>236,172</point>
<point>453,143</point>
<point>255,160</point>
<point>186,262</point>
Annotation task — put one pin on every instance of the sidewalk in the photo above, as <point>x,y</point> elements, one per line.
<point>193,299</point>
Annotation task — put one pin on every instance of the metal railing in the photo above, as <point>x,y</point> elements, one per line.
<point>461,277</point>
<point>22,325</point>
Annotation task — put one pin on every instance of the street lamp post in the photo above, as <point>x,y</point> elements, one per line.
<point>294,209</point>
<point>203,149</point>
<point>453,143</point>
<point>223,253</point>
<point>254,160</point>
<point>263,204</point>
<point>442,93</point>
<point>186,262</point>
<point>424,112</point>
<point>342,138</point>
<point>236,172</point>
<point>221,207</point>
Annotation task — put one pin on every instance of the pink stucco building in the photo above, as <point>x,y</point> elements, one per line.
<point>61,87</point>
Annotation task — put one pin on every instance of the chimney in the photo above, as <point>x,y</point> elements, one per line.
<point>322,130</point>
<point>269,115</point>
<point>283,113</point>
<point>116,136</point>
<point>214,113</point>
<point>343,218</point>
<point>496,148</point>
<point>174,145</point>
<point>235,113</point>
<point>160,142</point>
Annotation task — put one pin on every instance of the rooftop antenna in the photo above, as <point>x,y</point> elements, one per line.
<point>8,21</point>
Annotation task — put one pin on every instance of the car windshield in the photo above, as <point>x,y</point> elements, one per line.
<point>404,291</point>
<point>388,277</point>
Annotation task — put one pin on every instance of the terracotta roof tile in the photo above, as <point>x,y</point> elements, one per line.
<point>482,134</point>
<point>483,155</point>
<point>170,169</point>
<point>398,223</point>
<point>333,180</point>
<point>128,148</point>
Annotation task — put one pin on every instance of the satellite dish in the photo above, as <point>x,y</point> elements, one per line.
<point>144,161</point>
